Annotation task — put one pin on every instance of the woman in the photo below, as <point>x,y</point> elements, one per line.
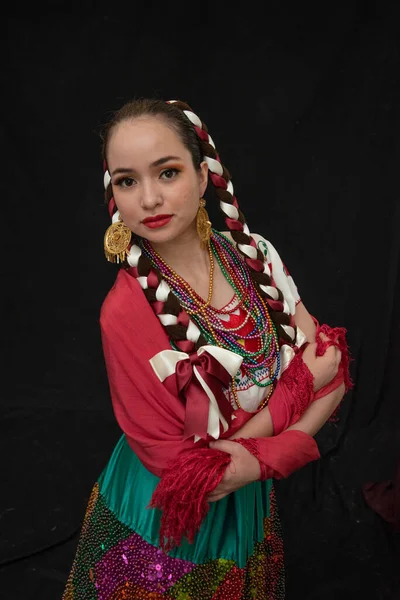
<point>219,378</point>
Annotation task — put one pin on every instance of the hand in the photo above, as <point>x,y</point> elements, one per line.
<point>244,468</point>
<point>324,368</point>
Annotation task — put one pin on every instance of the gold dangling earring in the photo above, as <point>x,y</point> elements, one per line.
<point>203,224</point>
<point>116,241</point>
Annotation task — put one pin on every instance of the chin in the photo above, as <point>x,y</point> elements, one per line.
<point>167,233</point>
<point>158,236</point>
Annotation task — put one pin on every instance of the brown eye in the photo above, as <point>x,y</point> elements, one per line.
<point>127,182</point>
<point>169,173</point>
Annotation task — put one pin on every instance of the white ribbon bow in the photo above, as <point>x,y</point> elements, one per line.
<point>287,353</point>
<point>164,364</point>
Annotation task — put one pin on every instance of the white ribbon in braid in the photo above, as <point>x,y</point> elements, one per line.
<point>163,290</point>
<point>231,211</point>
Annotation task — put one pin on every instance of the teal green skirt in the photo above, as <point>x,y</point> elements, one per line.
<point>237,553</point>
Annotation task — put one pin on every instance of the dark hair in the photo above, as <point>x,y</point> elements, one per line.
<point>194,136</point>
<point>170,114</point>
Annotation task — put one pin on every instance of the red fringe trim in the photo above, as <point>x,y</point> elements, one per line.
<point>300,382</point>
<point>337,337</point>
<point>182,493</point>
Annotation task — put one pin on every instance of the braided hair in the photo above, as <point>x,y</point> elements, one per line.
<point>194,135</point>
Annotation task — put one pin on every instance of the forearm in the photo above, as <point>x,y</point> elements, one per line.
<point>314,417</point>
<point>258,426</point>
<point>319,411</point>
<point>281,455</point>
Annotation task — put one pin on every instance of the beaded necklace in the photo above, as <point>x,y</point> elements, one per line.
<point>207,318</point>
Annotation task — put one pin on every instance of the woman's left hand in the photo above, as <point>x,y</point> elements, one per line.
<point>244,468</point>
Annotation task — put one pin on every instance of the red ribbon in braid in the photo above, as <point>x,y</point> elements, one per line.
<point>183,499</point>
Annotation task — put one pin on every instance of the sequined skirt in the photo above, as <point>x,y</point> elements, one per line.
<point>236,555</point>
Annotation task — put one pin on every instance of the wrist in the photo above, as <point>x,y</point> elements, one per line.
<point>293,394</point>
<point>282,455</point>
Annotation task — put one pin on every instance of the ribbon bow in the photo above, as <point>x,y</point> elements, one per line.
<point>200,377</point>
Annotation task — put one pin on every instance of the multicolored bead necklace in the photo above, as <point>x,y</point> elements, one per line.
<point>208,320</point>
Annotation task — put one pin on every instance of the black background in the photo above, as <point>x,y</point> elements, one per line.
<point>302,101</point>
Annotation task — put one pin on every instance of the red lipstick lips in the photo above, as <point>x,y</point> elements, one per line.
<point>157,221</point>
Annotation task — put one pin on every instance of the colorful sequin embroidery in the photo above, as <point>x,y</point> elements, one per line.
<point>114,563</point>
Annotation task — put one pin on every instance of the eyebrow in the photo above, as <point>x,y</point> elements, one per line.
<point>156,163</point>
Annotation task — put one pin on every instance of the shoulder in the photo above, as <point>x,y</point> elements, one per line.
<point>124,297</point>
<point>127,318</point>
<point>262,244</point>
<point>124,285</point>
<point>276,268</point>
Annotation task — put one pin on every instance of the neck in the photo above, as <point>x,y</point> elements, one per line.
<point>184,254</point>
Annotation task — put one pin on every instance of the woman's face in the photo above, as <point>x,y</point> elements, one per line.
<point>155,185</point>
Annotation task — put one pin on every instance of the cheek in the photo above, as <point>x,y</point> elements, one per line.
<point>192,192</point>
<point>191,201</point>
<point>124,201</point>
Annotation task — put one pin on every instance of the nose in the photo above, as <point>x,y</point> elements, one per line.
<point>150,195</point>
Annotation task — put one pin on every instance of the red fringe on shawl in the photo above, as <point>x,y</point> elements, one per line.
<point>300,382</point>
<point>182,493</point>
<point>337,338</point>
<point>183,490</point>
